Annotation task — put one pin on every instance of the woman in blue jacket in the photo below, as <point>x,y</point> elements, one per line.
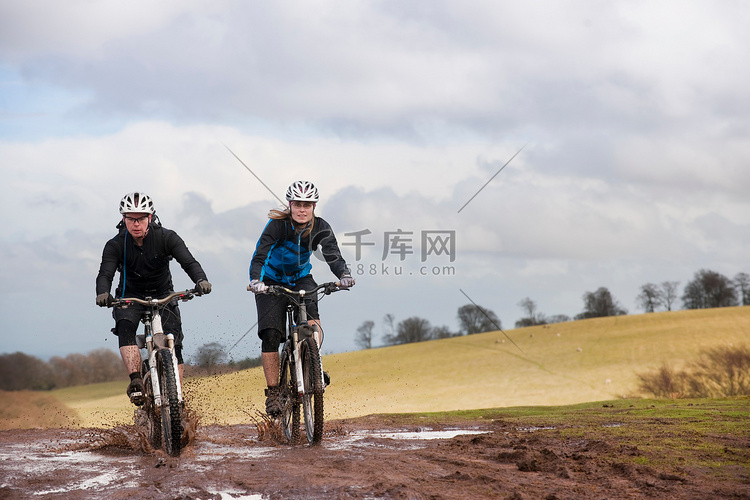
<point>282,257</point>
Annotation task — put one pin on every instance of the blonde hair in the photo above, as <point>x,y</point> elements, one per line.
<point>286,213</point>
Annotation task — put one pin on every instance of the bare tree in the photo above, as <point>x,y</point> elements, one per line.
<point>364,335</point>
<point>649,298</point>
<point>532,317</point>
<point>66,372</point>
<point>668,294</point>
<point>210,355</point>
<point>709,289</point>
<point>475,319</point>
<point>442,332</point>
<point>389,327</point>
<point>411,330</point>
<point>105,366</point>
<point>600,304</point>
<point>742,284</point>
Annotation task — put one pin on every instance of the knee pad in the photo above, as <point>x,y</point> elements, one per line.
<point>125,332</point>
<point>270,340</point>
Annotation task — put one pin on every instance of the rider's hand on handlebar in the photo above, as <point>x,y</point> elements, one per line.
<point>203,286</point>
<point>346,281</point>
<point>103,299</point>
<point>257,286</point>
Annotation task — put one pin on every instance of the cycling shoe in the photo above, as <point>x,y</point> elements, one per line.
<point>273,402</point>
<point>136,392</point>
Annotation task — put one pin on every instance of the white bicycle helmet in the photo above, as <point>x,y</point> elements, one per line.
<point>139,203</point>
<point>302,191</point>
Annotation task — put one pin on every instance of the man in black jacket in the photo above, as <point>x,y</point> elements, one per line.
<point>141,252</point>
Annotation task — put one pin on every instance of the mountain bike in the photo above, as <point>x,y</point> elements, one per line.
<point>164,407</point>
<point>301,376</point>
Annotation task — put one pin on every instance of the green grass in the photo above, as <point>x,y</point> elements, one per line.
<point>561,364</point>
<point>665,434</point>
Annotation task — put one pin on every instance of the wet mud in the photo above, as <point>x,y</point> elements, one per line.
<point>366,458</point>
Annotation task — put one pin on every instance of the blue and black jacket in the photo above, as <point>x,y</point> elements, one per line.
<point>283,253</point>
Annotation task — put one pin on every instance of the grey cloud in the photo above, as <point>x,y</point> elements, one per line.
<point>384,69</point>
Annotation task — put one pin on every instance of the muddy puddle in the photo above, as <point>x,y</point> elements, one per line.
<point>92,463</point>
<point>368,458</point>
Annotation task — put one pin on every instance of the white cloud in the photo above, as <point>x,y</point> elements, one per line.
<point>634,117</point>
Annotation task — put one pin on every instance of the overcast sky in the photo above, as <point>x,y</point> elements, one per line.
<point>631,118</point>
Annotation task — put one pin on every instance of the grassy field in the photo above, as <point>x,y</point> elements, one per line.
<point>562,364</point>
<point>706,435</point>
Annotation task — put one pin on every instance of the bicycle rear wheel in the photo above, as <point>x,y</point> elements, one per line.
<point>289,400</point>
<point>312,400</point>
<point>171,412</point>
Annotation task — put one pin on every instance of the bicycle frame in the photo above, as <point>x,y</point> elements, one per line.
<point>154,339</point>
<point>294,331</point>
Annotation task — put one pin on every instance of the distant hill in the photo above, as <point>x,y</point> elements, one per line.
<point>589,360</point>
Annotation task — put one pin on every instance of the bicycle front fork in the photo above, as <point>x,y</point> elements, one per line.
<point>298,360</point>
<point>156,329</point>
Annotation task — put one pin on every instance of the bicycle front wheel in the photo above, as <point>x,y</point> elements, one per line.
<point>289,399</point>
<point>153,421</point>
<point>171,412</point>
<point>312,400</point>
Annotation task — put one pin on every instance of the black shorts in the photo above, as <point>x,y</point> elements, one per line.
<point>272,308</point>
<point>170,318</point>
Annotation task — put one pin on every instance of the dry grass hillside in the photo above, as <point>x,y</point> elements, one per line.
<point>28,410</point>
<point>590,360</point>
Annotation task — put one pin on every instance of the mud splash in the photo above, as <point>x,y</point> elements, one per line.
<point>132,437</point>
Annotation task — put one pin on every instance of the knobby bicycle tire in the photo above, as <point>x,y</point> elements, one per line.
<point>289,400</point>
<point>171,418</point>
<point>153,420</point>
<point>312,400</point>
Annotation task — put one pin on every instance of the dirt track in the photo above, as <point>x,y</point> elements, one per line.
<point>358,459</point>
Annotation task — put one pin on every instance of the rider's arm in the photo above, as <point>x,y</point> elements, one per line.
<point>272,233</point>
<point>326,239</point>
<point>108,267</point>
<point>179,250</point>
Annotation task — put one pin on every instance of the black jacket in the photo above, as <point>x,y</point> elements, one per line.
<point>144,271</point>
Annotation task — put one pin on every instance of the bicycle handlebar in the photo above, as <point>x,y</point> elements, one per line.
<point>328,288</point>
<point>184,296</point>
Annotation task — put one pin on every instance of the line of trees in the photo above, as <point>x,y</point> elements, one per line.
<point>707,289</point>
<point>471,318</point>
<point>19,371</point>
